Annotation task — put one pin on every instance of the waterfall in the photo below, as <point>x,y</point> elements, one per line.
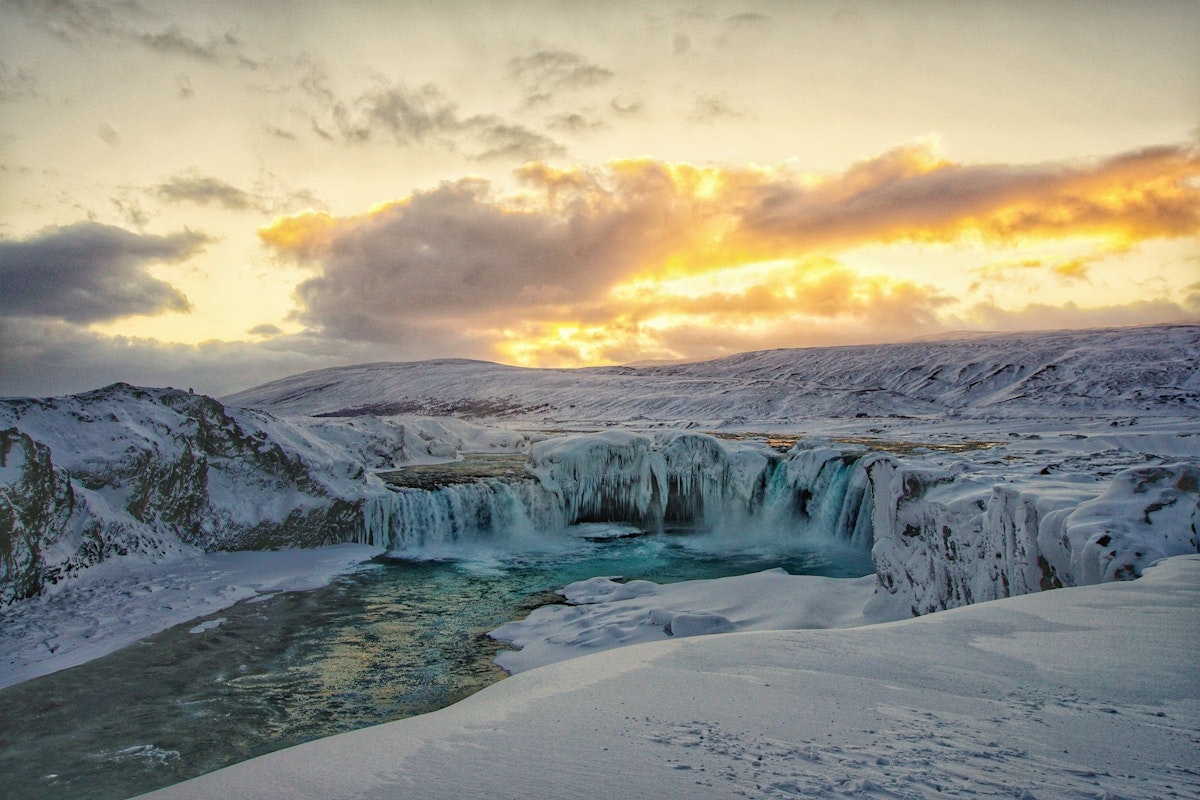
<point>737,490</point>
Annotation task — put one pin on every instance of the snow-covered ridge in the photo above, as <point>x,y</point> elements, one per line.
<point>1063,372</point>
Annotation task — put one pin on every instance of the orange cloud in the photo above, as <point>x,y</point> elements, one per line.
<point>638,258</point>
<point>909,195</point>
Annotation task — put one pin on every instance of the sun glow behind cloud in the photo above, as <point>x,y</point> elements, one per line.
<point>449,180</point>
<point>643,259</point>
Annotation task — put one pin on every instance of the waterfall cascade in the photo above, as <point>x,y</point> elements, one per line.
<point>938,538</point>
<point>680,480</point>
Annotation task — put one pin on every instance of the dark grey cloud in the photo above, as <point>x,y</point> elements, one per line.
<point>548,72</point>
<point>409,116</point>
<point>83,360</point>
<point>78,21</point>
<point>574,124</point>
<point>89,272</point>
<point>748,19</point>
<point>265,330</point>
<point>68,19</point>
<point>205,190</point>
<point>132,211</point>
<point>421,117</point>
<point>501,141</point>
<point>269,195</point>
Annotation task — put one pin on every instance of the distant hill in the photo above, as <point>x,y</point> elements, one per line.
<point>1115,370</point>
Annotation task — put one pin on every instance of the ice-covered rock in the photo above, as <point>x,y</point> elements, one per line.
<point>128,470</point>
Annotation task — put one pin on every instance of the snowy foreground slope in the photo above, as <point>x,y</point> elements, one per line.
<point>1034,462</point>
<point>1088,692</point>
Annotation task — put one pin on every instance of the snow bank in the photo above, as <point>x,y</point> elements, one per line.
<point>1010,698</point>
<point>128,598</point>
<point>601,613</point>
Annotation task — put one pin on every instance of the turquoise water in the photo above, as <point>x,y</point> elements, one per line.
<point>397,638</point>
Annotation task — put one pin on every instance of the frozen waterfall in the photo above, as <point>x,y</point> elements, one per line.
<point>681,480</point>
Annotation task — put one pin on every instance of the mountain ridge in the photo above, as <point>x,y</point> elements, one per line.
<point>1135,367</point>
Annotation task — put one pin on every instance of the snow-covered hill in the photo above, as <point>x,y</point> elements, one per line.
<point>1131,370</point>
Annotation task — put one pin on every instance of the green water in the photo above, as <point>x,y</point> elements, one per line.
<point>394,639</point>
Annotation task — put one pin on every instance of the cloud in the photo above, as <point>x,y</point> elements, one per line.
<point>514,142</point>
<point>709,108</point>
<point>547,72</point>
<point>223,48</point>
<point>446,252</point>
<point>76,22</point>
<point>88,272</point>
<point>574,124</point>
<point>747,23</point>
<point>85,360</point>
<point>265,330</point>
<point>16,84</point>
<point>420,117</point>
<point>910,194</point>
<point>108,134</point>
<point>627,106</point>
<point>269,195</point>
<point>638,256</point>
<point>1042,316</point>
<point>206,191</point>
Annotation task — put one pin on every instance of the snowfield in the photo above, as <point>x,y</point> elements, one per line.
<point>1089,692</point>
<point>976,473</point>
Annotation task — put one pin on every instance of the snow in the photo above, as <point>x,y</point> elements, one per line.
<point>604,614</point>
<point>1060,374</point>
<point>124,599</point>
<point>977,473</point>
<point>1086,692</point>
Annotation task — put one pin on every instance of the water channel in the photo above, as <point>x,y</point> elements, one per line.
<point>393,639</point>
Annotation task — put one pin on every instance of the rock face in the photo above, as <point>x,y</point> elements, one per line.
<point>942,541</point>
<point>148,471</point>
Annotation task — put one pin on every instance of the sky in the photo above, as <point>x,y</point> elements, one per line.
<point>213,195</point>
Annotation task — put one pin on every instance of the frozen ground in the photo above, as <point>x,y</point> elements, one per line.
<point>602,613</point>
<point>1088,692</point>
<point>1016,462</point>
<point>122,600</point>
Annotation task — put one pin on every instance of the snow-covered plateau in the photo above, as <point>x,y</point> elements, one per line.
<point>970,470</point>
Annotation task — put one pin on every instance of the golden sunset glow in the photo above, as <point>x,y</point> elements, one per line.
<point>693,256</point>
<point>242,202</point>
